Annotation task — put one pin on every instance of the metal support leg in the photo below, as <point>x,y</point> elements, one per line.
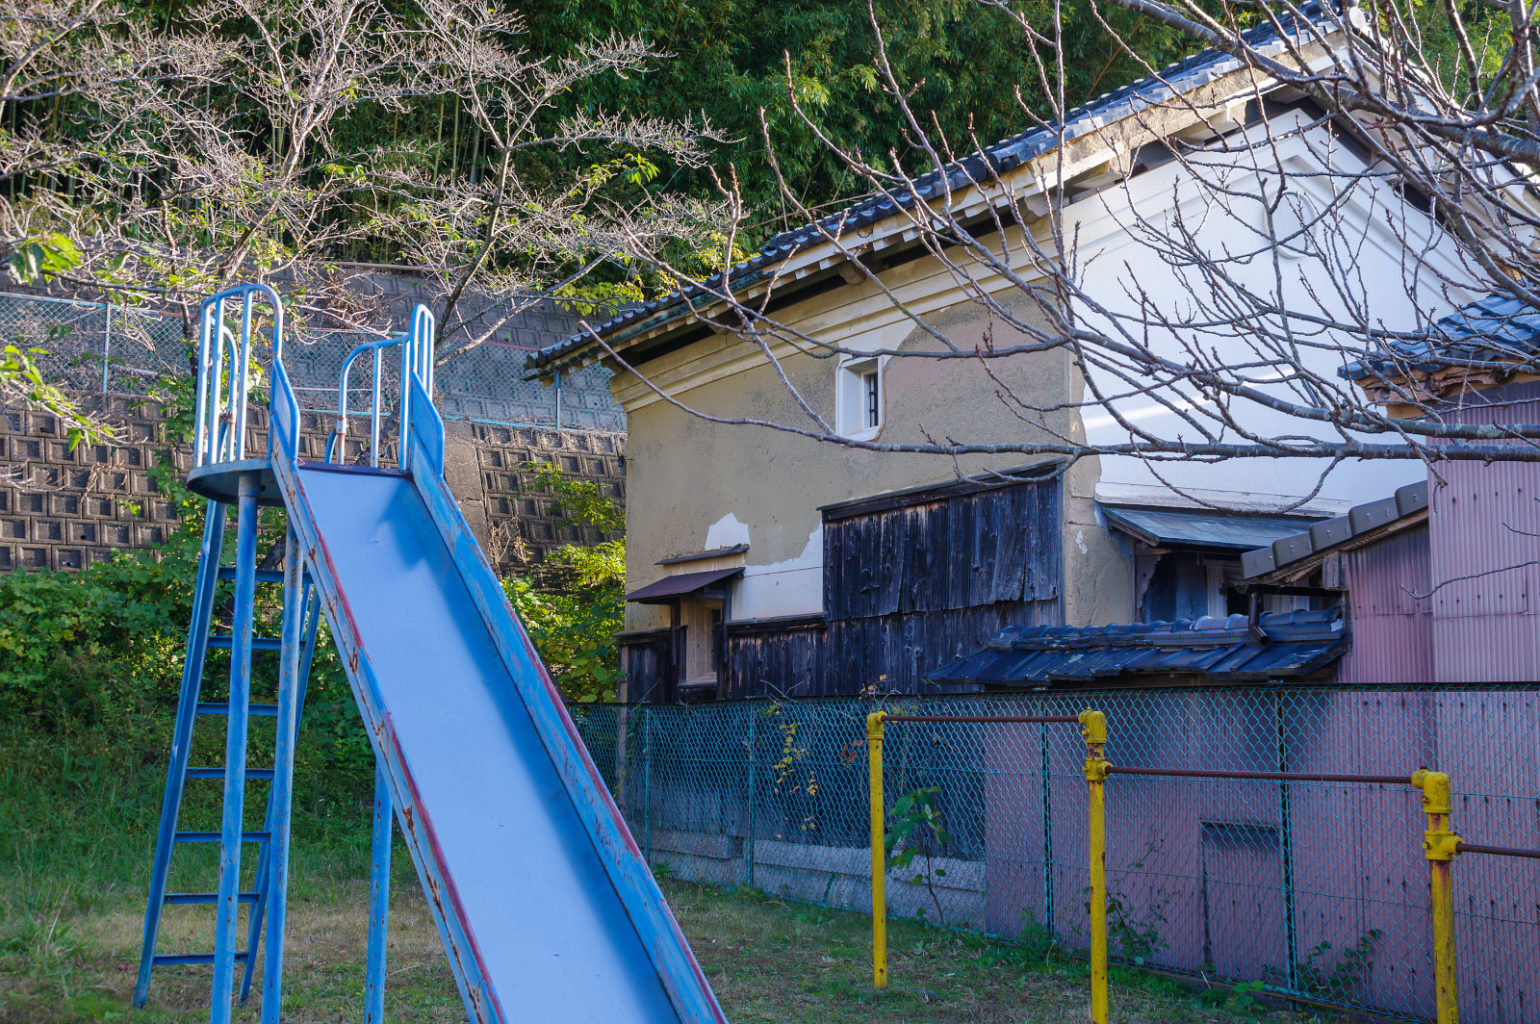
<point>1093,725</point>
<point>379,900</point>
<point>181,736</point>
<point>235,752</point>
<point>281,803</point>
<point>878,818</point>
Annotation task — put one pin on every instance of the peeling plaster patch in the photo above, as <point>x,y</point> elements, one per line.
<point>792,587</point>
<point>727,532</point>
<point>1080,541</point>
<point>810,558</point>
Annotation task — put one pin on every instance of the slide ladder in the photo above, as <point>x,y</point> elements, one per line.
<point>546,908</point>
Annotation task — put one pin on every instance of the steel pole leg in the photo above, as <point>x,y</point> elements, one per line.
<point>1093,726</point>
<point>294,601</point>
<point>879,852</point>
<point>379,900</point>
<point>235,752</point>
<point>1439,845</point>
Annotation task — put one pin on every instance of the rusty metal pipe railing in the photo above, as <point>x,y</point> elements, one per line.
<point>1206,773</point>
<point>1497,851</point>
<point>1035,719</point>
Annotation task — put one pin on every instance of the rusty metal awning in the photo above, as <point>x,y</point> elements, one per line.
<point>670,587</point>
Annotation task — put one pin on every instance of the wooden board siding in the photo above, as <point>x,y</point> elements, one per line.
<point>909,585</point>
<point>647,660</point>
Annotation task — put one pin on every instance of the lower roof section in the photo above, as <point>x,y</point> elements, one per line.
<point>1281,645</point>
<point>1203,528</point>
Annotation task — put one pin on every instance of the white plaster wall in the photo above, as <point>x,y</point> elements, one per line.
<point>1126,274</point>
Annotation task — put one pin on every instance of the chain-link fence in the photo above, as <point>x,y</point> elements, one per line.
<point>1314,889</point>
<point>90,347</point>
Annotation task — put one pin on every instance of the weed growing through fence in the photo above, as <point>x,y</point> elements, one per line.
<point>1342,979</point>
<point>914,829</point>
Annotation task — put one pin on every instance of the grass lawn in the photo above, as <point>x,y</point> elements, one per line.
<point>76,831</point>
<point>73,958</point>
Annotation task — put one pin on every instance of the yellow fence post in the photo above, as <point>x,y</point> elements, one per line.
<point>1439,845</point>
<point>1093,726</point>
<point>879,852</point>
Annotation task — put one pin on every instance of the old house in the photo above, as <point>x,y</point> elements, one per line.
<point>1420,650</point>
<point>770,560</point>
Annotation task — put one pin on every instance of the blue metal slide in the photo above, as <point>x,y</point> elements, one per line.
<point>546,908</point>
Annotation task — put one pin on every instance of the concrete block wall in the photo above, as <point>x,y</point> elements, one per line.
<point>63,508</point>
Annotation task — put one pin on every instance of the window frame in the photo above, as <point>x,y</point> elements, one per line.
<point>859,394</point>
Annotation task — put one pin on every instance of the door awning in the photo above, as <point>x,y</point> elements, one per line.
<point>670,587</point>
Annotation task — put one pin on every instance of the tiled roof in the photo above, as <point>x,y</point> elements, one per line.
<point>1361,519</point>
<point>1005,155</point>
<point>1285,645</point>
<point>1496,329</point>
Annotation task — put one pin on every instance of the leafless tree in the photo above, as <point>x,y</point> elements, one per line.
<point>211,150</point>
<point>1212,251</point>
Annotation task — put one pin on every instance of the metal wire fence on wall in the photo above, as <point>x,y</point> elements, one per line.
<point>92,347</point>
<point>1314,889</point>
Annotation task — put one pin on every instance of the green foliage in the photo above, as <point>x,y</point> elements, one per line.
<point>1243,997</point>
<point>915,829</point>
<point>736,59</point>
<point>36,261</point>
<point>1135,932</point>
<point>576,604</point>
<point>1133,926</point>
<point>1316,975</point>
<point>20,375</point>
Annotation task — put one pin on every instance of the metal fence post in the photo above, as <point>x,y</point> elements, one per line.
<point>106,345</point>
<point>1439,845</point>
<point>646,786</point>
<point>1048,908</point>
<point>748,837</point>
<point>1093,726</point>
<point>879,859</point>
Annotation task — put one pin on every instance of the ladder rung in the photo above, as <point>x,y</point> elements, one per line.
<point>222,707</point>
<point>261,774</point>
<point>227,572</point>
<point>258,643</point>
<point>207,897</point>
<point>169,959</point>
<point>214,837</point>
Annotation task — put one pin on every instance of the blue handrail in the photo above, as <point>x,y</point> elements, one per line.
<point>224,372</point>
<point>224,382</point>
<point>416,363</point>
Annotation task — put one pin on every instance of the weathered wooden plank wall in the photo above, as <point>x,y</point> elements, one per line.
<point>909,584</point>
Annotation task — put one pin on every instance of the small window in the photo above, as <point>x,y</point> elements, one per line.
<point>858,401</point>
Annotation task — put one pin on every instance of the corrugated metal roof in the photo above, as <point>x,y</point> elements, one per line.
<point>1497,330</point>
<point>683,583</point>
<point>1005,155</point>
<point>1323,536</point>
<point>1291,645</point>
<point>1205,528</point>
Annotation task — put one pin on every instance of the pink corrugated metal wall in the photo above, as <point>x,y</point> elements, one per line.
<point>1484,541</point>
<point>1316,887</point>
<point>1390,623</point>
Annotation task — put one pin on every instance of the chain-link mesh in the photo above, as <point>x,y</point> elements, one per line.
<point>1314,889</point>
<point>90,347</point>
